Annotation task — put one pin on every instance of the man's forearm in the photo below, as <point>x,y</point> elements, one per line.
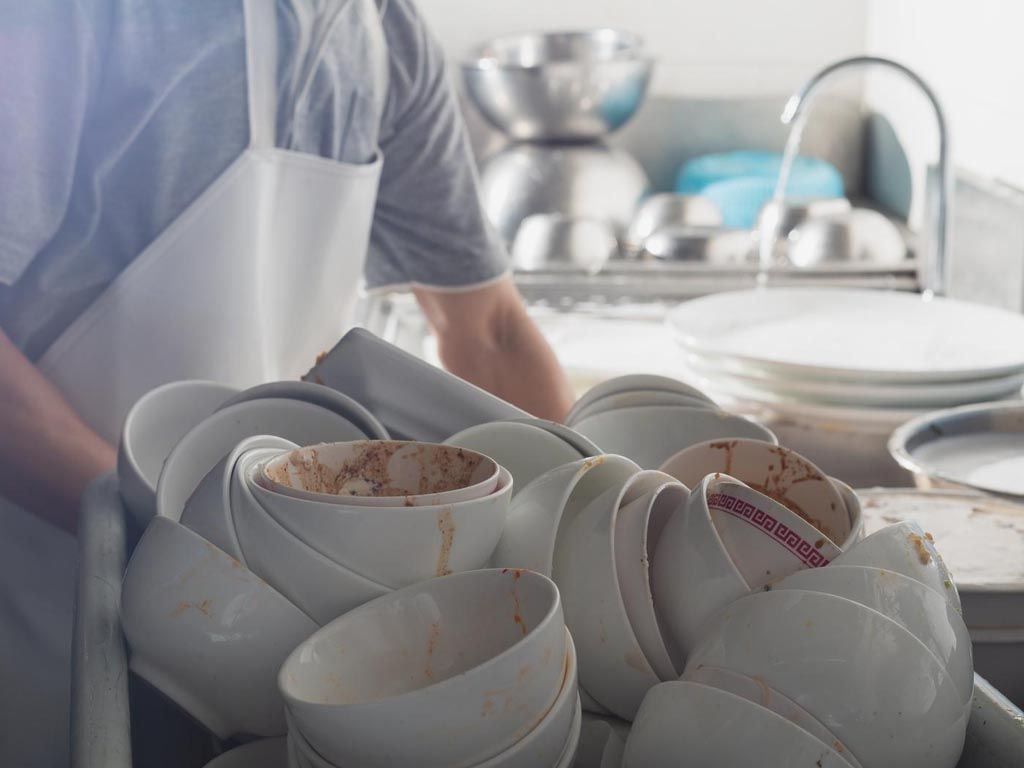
<point>48,455</point>
<point>487,338</point>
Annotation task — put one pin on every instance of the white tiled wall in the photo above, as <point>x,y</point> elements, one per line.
<point>716,48</point>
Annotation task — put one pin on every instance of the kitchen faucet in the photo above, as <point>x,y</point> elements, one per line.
<point>933,261</point>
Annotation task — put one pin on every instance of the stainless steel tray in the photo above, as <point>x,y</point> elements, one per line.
<point>117,722</point>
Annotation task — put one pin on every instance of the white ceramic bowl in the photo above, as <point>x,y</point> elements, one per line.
<point>853,510</point>
<point>207,443</point>
<point>907,549</point>
<point>525,450</point>
<point>152,427</point>
<point>394,546</point>
<point>545,506</point>
<point>640,398</point>
<point>316,584</point>
<point>909,603</point>
<point>875,685</point>
<point>765,540</point>
<point>381,473</point>
<point>784,475</point>
<point>585,447</point>
<point>208,509</point>
<point>444,674</point>
<point>547,742</point>
<point>755,690</point>
<point>650,435</point>
<point>689,725</point>
<point>638,528</point>
<point>630,383</point>
<point>613,667</point>
<point>207,632</point>
<point>317,394</point>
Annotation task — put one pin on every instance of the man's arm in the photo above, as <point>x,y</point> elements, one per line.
<point>47,453</point>
<point>486,337</point>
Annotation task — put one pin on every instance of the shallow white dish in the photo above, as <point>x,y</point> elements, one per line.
<point>525,450</point>
<point>857,394</point>
<point>639,398</point>
<point>152,427</point>
<point>650,435</point>
<point>855,335</point>
<point>209,441</point>
<point>975,446</point>
<point>586,447</point>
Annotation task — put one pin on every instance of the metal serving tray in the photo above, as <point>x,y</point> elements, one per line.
<point>118,722</point>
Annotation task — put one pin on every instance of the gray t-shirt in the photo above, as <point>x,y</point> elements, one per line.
<point>116,114</point>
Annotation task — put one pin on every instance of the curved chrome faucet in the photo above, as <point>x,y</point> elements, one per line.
<point>933,263</point>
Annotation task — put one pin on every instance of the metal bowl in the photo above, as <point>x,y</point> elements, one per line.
<point>551,241</point>
<point>859,236</point>
<point>559,86</point>
<point>713,246</point>
<point>670,210</point>
<point>587,181</point>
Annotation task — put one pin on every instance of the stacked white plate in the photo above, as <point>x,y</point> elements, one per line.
<point>848,362</point>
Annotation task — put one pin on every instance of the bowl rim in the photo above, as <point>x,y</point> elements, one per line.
<point>634,51</point>
<point>553,611</point>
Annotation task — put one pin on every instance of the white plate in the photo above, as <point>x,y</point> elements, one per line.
<point>977,446</point>
<point>213,438</point>
<point>856,335</point>
<point>525,450</point>
<point>908,395</point>
<point>632,383</point>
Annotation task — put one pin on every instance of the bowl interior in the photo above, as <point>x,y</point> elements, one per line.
<point>418,637</point>
<point>378,469</point>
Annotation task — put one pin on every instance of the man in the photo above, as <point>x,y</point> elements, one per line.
<point>188,189</point>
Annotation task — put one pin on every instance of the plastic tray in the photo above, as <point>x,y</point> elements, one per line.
<point>118,722</point>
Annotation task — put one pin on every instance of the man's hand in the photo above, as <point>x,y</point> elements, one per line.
<point>486,337</point>
<point>47,453</point>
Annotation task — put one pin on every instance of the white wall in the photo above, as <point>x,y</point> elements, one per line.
<point>717,48</point>
<point>972,54</point>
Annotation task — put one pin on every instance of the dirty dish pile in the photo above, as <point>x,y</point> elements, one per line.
<point>649,418</point>
<point>835,371</point>
<point>473,669</point>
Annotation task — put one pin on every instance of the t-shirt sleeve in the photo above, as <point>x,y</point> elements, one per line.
<point>429,228</point>
<point>47,57</point>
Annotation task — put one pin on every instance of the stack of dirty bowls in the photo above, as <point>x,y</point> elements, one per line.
<point>275,541</point>
<point>649,418</point>
<point>814,645</point>
<point>473,669</point>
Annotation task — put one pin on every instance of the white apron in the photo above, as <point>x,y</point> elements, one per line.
<point>251,282</point>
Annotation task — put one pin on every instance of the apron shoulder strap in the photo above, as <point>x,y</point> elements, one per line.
<point>261,71</point>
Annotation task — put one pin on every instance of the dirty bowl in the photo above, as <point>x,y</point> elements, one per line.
<point>322,588</point>
<point>447,673</point>
<point>690,725</point>
<point>613,666</point>
<point>208,509</point>
<point>208,632</point>
<point>394,546</point>
<point>541,511</point>
<point>878,688</point>
<point>778,472</point>
<point>382,473</point>
<point>152,427</point>
<point>638,528</point>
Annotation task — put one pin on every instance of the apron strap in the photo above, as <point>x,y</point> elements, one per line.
<point>261,71</point>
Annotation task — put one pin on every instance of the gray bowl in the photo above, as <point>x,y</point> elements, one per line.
<point>559,86</point>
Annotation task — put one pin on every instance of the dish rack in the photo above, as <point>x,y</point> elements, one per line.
<point>119,722</point>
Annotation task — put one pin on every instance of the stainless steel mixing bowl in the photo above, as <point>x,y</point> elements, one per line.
<point>560,86</point>
<point>590,181</point>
